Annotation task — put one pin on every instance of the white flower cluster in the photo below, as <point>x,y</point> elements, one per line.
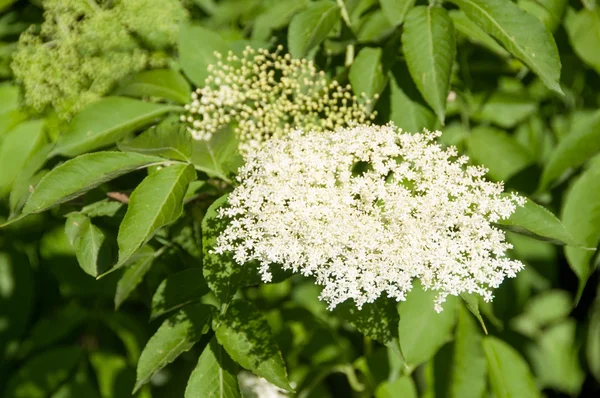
<point>366,211</point>
<point>257,387</point>
<point>263,95</point>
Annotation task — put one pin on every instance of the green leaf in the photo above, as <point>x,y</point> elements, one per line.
<point>5,4</point>
<point>472,303</point>
<point>175,336</point>
<point>156,202</point>
<point>308,28</point>
<point>106,121</point>
<point>430,48</point>
<point>498,152</point>
<point>423,331</point>
<point>214,375</point>
<point>79,175</point>
<point>17,288</point>
<point>581,217</point>
<point>102,208</point>
<point>276,16</point>
<point>79,386</point>
<point>375,28</point>
<point>28,177</point>
<point>10,112</point>
<point>93,250</point>
<point>472,32</point>
<point>396,10</point>
<point>537,222</point>
<point>505,109</point>
<point>54,327</point>
<point>222,274</point>
<point>578,146</point>
<point>162,83</point>
<point>378,320</point>
<point>43,374</point>
<point>247,338</point>
<point>549,12</point>
<point>169,139</point>
<point>548,307</point>
<point>509,374</point>
<point>366,73</point>
<point>177,291</point>
<point>197,46</point>
<point>555,358</point>
<point>521,33</point>
<point>114,375</point>
<point>468,370</point>
<point>131,332</point>
<point>16,147</point>
<point>219,156</point>
<point>592,346</point>
<point>401,387</point>
<point>583,28</point>
<point>407,109</point>
<point>134,274</point>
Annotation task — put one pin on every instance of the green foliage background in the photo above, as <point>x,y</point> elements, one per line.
<point>107,282</point>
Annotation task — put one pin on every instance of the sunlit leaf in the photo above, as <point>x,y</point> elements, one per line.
<point>79,175</point>
<point>197,46</point>
<point>538,222</point>
<point>581,217</point>
<point>430,48</point>
<point>497,151</point>
<point>578,146</point>
<point>16,147</point>
<point>521,33</point>
<point>509,374</point>
<point>169,139</point>
<point>422,330</point>
<point>396,10</point>
<point>583,28</point>
<point>308,28</point>
<point>156,202</point>
<point>106,121</point>
<point>161,83</point>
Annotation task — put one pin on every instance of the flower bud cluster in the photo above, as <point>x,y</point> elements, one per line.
<point>85,47</point>
<point>266,95</point>
<point>368,210</point>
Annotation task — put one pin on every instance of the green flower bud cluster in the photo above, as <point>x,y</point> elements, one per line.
<point>266,95</point>
<point>84,47</point>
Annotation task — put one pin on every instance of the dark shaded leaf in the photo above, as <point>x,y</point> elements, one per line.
<point>177,291</point>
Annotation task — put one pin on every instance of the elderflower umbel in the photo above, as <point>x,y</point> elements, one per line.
<point>264,95</point>
<point>365,211</point>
